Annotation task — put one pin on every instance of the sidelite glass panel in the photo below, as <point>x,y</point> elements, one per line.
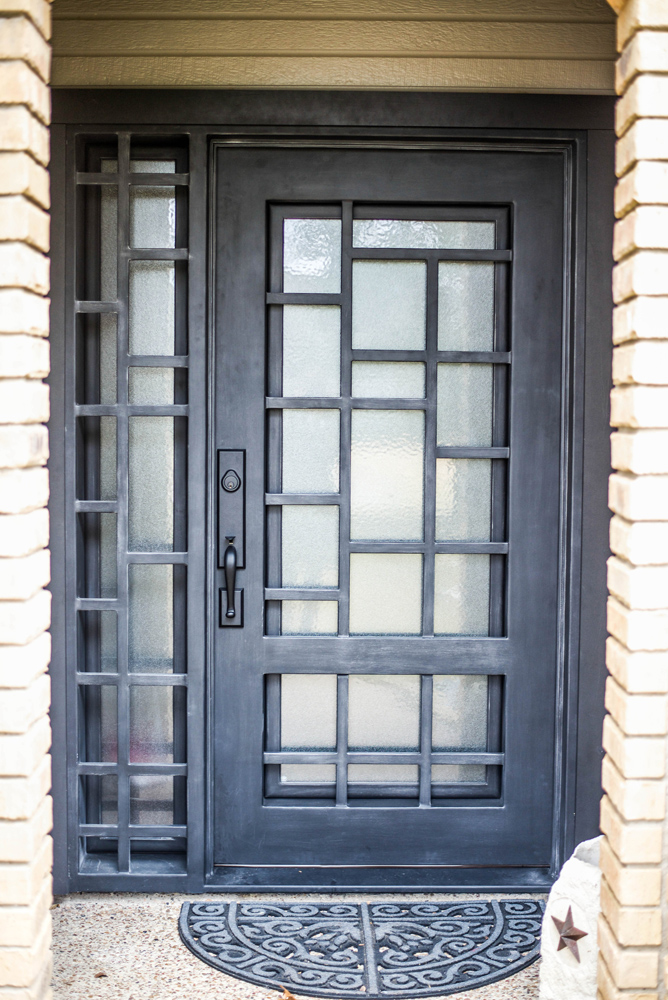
<point>312,255</point>
<point>420,234</point>
<point>464,408</point>
<point>99,799</point>
<point>383,712</point>
<point>385,593</point>
<point>151,725</point>
<point>151,386</point>
<point>311,350</point>
<point>308,722</point>
<point>461,595</point>
<point>465,306</point>
<point>152,209</point>
<point>387,473</point>
<point>310,544</point>
<point>151,628</point>
<point>151,306</point>
<point>151,800</point>
<point>309,617</point>
<point>388,379</point>
<point>389,304</point>
<point>311,451</point>
<point>98,723</point>
<point>96,470</point>
<point>96,575</point>
<point>151,484</point>
<point>108,235</point>
<point>97,642</point>
<point>463,499</point>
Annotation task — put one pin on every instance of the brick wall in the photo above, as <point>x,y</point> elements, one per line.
<point>633,929</point>
<point>25,806</point>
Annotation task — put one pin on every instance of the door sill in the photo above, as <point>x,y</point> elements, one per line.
<point>240,878</point>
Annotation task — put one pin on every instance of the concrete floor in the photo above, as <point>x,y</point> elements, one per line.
<point>125,946</point>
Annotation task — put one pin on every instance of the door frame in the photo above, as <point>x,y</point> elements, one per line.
<point>579,127</point>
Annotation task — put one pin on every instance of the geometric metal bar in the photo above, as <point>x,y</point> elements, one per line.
<point>297,594</point>
<point>302,298</point>
<point>379,757</point>
<point>150,680</point>
<point>278,499</point>
<point>383,253</point>
<point>456,452</point>
<point>474,357</point>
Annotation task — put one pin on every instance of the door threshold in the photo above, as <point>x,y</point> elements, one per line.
<point>240,878</point>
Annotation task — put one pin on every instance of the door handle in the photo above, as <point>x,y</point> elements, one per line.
<point>230,567</point>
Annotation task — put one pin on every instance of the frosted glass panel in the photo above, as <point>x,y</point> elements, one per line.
<point>459,712</point>
<point>308,712</point>
<point>310,541</point>
<point>151,629</point>
<point>388,379</point>
<point>312,255</point>
<point>311,350</point>
<point>107,555</point>
<point>108,723</point>
<point>465,306</point>
<point>384,712</point>
<point>464,410</point>
<point>460,773</point>
<point>151,484</point>
<point>97,652</point>
<point>108,798</point>
<point>151,307</point>
<point>385,593</point>
<point>107,458</point>
<point>108,356</point>
<point>463,499</point>
<point>311,451</point>
<point>151,386</point>
<point>151,800</point>
<point>108,235</point>
<point>399,234</point>
<point>389,304</point>
<point>153,214</point>
<point>311,773</point>
<point>387,773</point>
<point>152,725</point>
<point>309,617</point>
<point>387,468</point>
<point>461,595</point>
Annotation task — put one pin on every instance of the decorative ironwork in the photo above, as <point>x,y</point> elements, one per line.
<point>569,934</point>
<point>371,950</point>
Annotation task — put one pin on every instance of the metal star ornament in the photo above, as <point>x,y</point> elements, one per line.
<point>569,934</point>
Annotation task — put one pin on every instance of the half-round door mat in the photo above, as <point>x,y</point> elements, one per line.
<point>368,950</point>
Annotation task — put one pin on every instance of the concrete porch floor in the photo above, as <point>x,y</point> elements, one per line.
<point>132,939</point>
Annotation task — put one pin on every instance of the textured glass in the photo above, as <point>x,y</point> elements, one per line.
<point>152,209</point>
<point>459,720</point>
<point>107,555</point>
<point>387,473</point>
<point>388,379</point>
<point>309,773</point>
<point>109,723</point>
<point>308,712</point>
<point>461,595</point>
<point>309,617</point>
<point>108,235</point>
<point>419,234</point>
<point>465,306</point>
<point>151,725</point>
<point>311,451</point>
<point>108,799</point>
<point>99,799</point>
<point>312,255</point>
<point>385,593</point>
<point>151,628</point>
<point>151,484</point>
<point>463,499</point>
<point>386,773</point>
<point>459,773</point>
<point>108,356</point>
<point>311,350</point>
<point>151,386</point>
<point>310,546</point>
<point>107,458</point>
<point>151,307</point>
<point>97,642</point>
<point>151,800</point>
<point>389,304</point>
<point>96,567</point>
<point>384,712</point>
<point>464,410</point>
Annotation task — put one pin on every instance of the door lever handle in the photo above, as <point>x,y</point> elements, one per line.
<point>230,567</point>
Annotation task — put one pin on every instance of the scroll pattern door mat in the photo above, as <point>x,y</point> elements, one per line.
<point>374,950</point>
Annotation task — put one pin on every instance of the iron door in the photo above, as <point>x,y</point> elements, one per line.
<point>387,386</point>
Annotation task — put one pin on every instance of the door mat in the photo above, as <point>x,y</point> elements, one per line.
<point>374,950</point>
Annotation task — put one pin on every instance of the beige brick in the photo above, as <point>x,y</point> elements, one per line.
<point>631,925</point>
<point>22,752</point>
<point>19,84</point>
<point>643,362</point>
<point>22,266</point>
<point>647,139</point>
<point>632,885</point>
<point>641,587</point>
<point>23,401</point>
<point>20,797</point>
<point>22,621</point>
<point>21,534</point>
<point>639,406</point>
<point>22,219</point>
<point>634,756</point>
<point>21,966</point>
<point>641,318</point>
<point>645,97</point>
<point>23,356</point>
<point>639,498</point>
<point>637,14</point>
<point>606,988</point>
<point>21,841</point>
<point>644,272</point>
<point>637,672</point>
<point>21,131</point>
<point>23,312</point>
<point>22,577</point>
<point>646,52</point>
<point>642,229</point>
<point>638,629</point>
<point>23,445</point>
<point>22,490</point>
<point>39,12</point>
<point>20,665</point>
<point>643,452</point>
<point>634,843</point>
<point>20,925</point>
<point>21,707</point>
<point>21,174</point>
<point>634,800</point>
<point>20,39</point>
<point>645,184</point>
<point>631,968</point>
<point>637,714</point>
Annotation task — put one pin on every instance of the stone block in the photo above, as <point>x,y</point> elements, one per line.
<point>639,498</point>
<point>632,925</point>
<point>19,967</point>
<point>637,714</point>
<point>21,578</point>
<point>24,401</point>
<point>22,445</point>
<point>23,490</point>
<point>644,318</point>
<point>644,228</point>
<point>20,925</point>
<point>21,174</point>
<point>634,756</point>
<point>634,843</point>
<point>21,707</point>
<point>23,356</point>
<point>23,312</point>
<point>638,587</point>
<point>21,39</point>
<point>20,665</point>
<point>637,672</point>
<point>22,266</point>
<point>19,84</point>
<point>634,800</point>
<point>23,132</point>
<point>21,841</point>
<point>631,968</point>
<point>22,534</point>
<point>638,629</point>
<point>645,97</point>
<point>647,139</point>
<point>22,621</point>
<point>632,885</point>
<point>21,753</point>
<point>643,452</point>
<point>634,15</point>
<point>21,219</point>
<point>646,52</point>
<point>644,272</point>
<point>20,797</point>
<point>643,362</point>
<point>644,184</point>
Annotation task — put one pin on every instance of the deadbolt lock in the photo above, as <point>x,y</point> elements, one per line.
<point>230,481</point>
